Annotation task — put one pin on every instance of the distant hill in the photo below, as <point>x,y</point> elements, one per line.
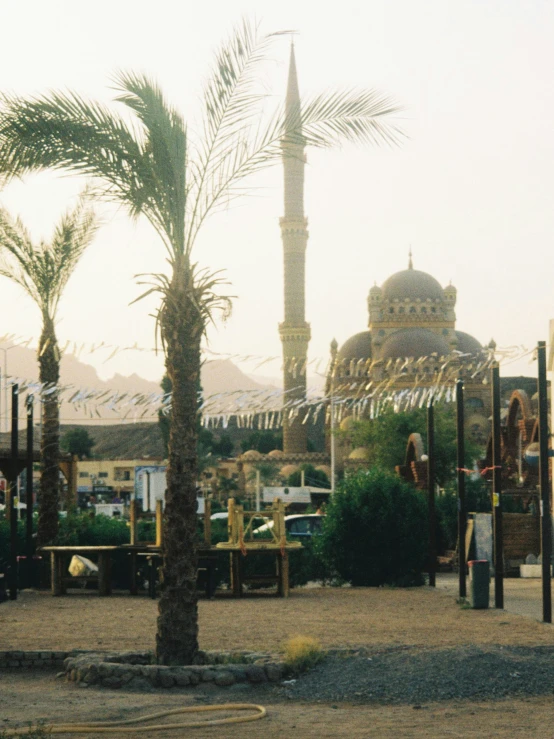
<point>218,376</point>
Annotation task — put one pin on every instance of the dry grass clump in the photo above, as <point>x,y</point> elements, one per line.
<point>302,653</point>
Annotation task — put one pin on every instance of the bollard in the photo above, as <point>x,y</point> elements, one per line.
<point>479,579</point>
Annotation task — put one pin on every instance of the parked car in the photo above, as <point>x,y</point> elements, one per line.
<point>298,526</point>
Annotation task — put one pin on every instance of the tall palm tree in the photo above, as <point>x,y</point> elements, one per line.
<point>43,270</point>
<point>155,168</point>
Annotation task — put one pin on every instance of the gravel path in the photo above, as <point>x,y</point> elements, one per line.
<point>396,676</point>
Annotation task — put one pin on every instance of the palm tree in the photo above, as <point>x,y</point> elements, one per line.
<point>155,168</point>
<point>43,270</point>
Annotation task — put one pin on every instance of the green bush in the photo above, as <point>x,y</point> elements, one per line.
<point>375,532</point>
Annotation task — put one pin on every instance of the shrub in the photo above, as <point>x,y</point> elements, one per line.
<point>375,532</point>
<point>302,653</point>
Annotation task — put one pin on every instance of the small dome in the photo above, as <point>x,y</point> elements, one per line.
<point>346,423</point>
<point>414,342</point>
<point>467,344</point>
<point>275,453</point>
<point>324,468</point>
<point>412,284</point>
<point>289,469</point>
<point>251,455</point>
<point>360,454</point>
<point>356,347</point>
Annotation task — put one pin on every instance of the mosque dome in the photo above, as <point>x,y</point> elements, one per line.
<point>251,456</point>
<point>467,344</point>
<point>356,347</point>
<point>289,469</point>
<point>346,423</point>
<point>412,284</point>
<point>275,453</point>
<point>414,342</point>
<point>360,454</point>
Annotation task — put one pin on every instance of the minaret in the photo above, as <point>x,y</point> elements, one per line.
<point>294,331</point>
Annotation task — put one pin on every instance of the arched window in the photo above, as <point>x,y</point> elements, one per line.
<point>413,310</point>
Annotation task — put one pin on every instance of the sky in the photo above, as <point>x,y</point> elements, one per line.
<point>469,188</point>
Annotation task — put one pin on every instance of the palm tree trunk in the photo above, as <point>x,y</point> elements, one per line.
<point>49,363</point>
<point>181,327</point>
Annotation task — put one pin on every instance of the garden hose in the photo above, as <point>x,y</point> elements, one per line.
<point>113,727</point>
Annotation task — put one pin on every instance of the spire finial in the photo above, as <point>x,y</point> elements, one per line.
<point>293,95</point>
<point>410,262</point>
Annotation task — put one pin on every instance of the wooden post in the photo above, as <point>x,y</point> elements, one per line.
<point>133,521</point>
<point>159,523</point>
<point>207,522</point>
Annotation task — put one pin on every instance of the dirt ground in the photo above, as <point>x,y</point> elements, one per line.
<point>417,617</point>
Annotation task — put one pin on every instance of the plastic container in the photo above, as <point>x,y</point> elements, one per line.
<point>479,579</point>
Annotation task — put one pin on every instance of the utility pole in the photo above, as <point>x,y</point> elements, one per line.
<point>461,488</point>
<point>497,490</point>
<point>546,513</point>
<point>431,493</point>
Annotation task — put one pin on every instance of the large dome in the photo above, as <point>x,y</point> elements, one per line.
<point>411,284</point>
<point>414,342</point>
<point>467,344</point>
<point>356,347</point>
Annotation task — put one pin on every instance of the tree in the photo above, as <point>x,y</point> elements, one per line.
<point>78,441</point>
<point>262,441</point>
<point>155,168</point>
<point>312,477</point>
<point>375,530</point>
<point>43,270</point>
<point>386,438</point>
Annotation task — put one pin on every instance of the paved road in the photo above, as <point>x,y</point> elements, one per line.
<point>521,595</point>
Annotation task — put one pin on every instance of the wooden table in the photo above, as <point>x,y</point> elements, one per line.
<point>58,563</point>
<point>207,566</point>
<point>280,578</point>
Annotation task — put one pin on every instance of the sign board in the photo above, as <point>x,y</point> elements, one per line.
<point>287,495</point>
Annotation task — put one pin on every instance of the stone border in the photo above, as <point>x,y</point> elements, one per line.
<point>41,658</point>
<point>136,670</point>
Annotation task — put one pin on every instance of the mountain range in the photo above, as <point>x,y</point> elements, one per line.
<point>217,376</point>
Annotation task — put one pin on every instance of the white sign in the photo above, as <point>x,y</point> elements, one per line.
<point>287,495</point>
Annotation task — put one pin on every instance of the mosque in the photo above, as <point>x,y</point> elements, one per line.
<point>411,323</point>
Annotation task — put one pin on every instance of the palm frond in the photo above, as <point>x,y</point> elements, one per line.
<point>43,269</point>
<point>64,131</point>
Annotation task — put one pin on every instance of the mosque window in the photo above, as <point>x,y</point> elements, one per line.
<point>433,309</point>
<point>423,309</point>
<point>413,310</point>
<point>401,309</point>
<point>391,310</point>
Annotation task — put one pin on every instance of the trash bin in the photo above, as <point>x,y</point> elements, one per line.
<point>479,578</point>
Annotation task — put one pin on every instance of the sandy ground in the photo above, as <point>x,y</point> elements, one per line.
<point>337,617</point>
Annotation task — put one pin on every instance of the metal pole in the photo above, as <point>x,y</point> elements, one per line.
<point>258,485</point>
<point>5,388</point>
<point>461,488</point>
<point>29,493</point>
<point>332,442</point>
<point>497,490</point>
<point>431,493</point>
<point>12,484</point>
<point>546,514</point>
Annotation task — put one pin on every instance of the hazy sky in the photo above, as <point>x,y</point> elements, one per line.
<point>470,189</point>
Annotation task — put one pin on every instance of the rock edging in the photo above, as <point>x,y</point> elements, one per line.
<point>137,670</point>
<point>43,659</point>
